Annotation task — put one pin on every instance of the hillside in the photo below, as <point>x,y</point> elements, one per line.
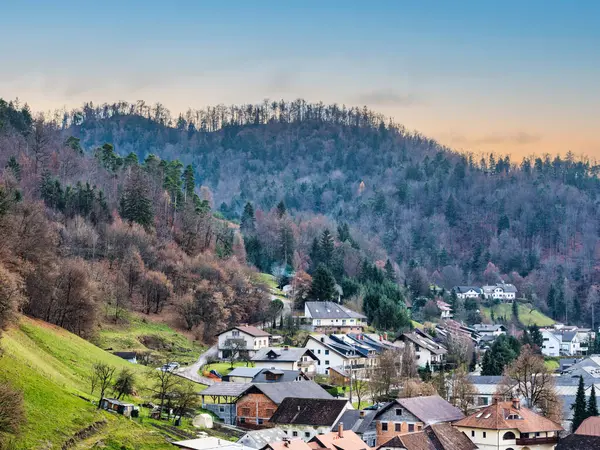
<point>51,367</point>
<point>441,217</point>
<point>528,315</point>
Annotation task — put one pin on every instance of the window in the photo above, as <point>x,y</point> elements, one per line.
<point>242,420</point>
<point>235,333</point>
<point>472,433</point>
<point>398,411</point>
<point>306,434</point>
<point>411,427</point>
<point>259,421</point>
<point>484,434</point>
<point>295,434</point>
<point>327,352</point>
<point>397,427</point>
<point>319,352</point>
<point>419,427</point>
<point>508,436</point>
<point>326,362</point>
<point>221,409</point>
<point>384,426</point>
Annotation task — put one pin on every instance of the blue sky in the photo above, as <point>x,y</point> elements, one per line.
<point>511,76</point>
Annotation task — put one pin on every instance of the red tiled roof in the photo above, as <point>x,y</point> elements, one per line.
<point>589,427</point>
<point>495,417</point>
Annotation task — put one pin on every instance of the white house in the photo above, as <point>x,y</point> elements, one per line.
<point>426,350</point>
<point>330,353</point>
<point>243,338</point>
<point>332,317</point>
<point>552,343</point>
<point>500,291</point>
<point>493,330</point>
<point>509,426</point>
<point>467,291</point>
<point>287,358</point>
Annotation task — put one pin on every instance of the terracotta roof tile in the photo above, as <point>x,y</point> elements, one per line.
<point>589,427</point>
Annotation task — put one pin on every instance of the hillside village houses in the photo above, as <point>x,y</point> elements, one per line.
<point>287,358</point>
<point>500,291</point>
<point>445,309</point>
<point>427,351</point>
<point>242,338</point>
<point>330,317</point>
<point>566,340</point>
<point>464,292</point>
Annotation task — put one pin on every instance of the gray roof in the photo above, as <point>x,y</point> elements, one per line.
<point>331,310</point>
<point>568,336</point>
<point>305,389</point>
<point>428,409</point>
<point>488,327</point>
<point>309,411</point>
<point>286,375</point>
<point>227,389</point>
<point>354,422</point>
<point>247,372</point>
<point>260,438</point>
<point>463,289</point>
<point>486,379</point>
<point>425,342</point>
<point>286,354</point>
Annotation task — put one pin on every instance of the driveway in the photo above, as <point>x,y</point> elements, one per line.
<point>191,372</point>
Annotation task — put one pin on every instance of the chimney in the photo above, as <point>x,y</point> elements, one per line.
<point>516,403</point>
<point>495,399</point>
<point>286,348</point>
<point>380,338</point>
<point>385,336</point>
<point>362,414</point>
<point>286,441</point>
<point>341,430</point>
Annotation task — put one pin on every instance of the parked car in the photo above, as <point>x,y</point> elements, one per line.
<point>169,367</point>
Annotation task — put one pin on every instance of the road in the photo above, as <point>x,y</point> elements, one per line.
<point>191,372</point>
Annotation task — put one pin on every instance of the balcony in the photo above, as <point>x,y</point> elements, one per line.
<point>538,440</point>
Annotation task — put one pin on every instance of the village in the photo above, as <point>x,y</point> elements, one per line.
<point>344,385</point>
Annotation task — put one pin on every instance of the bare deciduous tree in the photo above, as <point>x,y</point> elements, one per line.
<point>101,377</point>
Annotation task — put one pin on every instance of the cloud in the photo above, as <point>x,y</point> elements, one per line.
<point>387,97</point>
<point>514,138</point>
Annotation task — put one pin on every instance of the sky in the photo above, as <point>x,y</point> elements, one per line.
<point>512,77</point>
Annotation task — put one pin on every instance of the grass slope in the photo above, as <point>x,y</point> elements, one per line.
<point>51,366</point>
<point>142,335</point>
<point>527,315</point>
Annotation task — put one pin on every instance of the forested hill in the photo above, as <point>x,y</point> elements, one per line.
<point>442,216</point>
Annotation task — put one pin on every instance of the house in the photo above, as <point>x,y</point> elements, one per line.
<point>221,400</point>
<point>359,422</point>
<point>440,436</point>
<point>256,406</point>
<point>208,443</point>
<point>127,356</point>
<point>331,353</point>
<point>445,309</point>
<point>408,415</point>
<point>330,317</point>
<point>242,374</point>
<point>504,425</point>
<point>552,343</point>
<point>335,440</point>
<point>427,351</point>
<point>490,330</point>
<point>286,358</point>
<point>486,387</point>
<point>464,292</point>
<point>243,339</point>
<point>125,409</point>
<point>500,291</point>
<point>259,438</point>
<point>304,418</point>
<point>570,344</point>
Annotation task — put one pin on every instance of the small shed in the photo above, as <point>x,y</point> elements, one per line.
<point>117,406</point>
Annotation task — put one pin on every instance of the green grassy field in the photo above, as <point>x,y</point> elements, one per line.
<point>224,367</point>
<point>145,336</point>
<point>51,367</point>
<point>418,325</point>
<point>527,316</point>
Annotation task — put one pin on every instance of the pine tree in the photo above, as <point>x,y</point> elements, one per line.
<point>515,310</point>
<point>189,182</point>
<point>536,336</point>
<point>135,204</point>
<point>487,364</point>
<point>579,407</point>
<point>281,210</point>
<point>451,211</point>
<point>248,221</point>
<point>326,247</point>
<point>14,166</point>
<point>592,406</point>
<point>323,284</point>
<point>551,301</point>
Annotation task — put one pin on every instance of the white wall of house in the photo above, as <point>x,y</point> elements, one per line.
<point>327,357</point>
<point>551,345</point>
<point>306,364</point>
<point>252,343</point>
<point>469,294</point>
<point>493,439</point>
<point>304,432</point>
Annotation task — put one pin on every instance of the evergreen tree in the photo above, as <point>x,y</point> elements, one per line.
<point>248,221</point>
<point>487,367</point>
<point>592,406</point>
<point>579,407</point>
<point>323,284</point>
<point>503,223</point>
<point>536,336</point>
<point>551,301</point>
<point>326,248</point>
<point>344,232</point>
<point>281,210</point>
<point>515,310</point>
<point>426,372</point>
<point>189,182</point>
<point>135,204</point>
<point>75,144</point>
<point>14,166</point>
<point>451,211</point>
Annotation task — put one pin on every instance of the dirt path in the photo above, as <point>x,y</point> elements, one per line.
<point>191,372</point>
